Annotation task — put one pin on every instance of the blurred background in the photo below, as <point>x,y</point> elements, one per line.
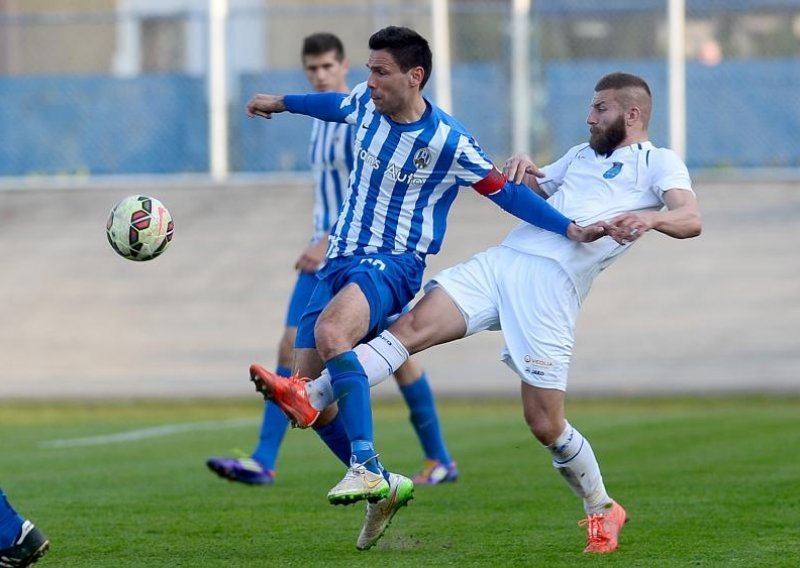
<point>118,87</point>
<point>104,98</point>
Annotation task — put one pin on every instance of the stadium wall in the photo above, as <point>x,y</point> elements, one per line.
<point>714,314</point>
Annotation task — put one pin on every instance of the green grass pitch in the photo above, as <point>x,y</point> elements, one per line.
<point>706,482</point>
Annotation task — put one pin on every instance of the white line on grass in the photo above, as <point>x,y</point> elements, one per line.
<point>143,433</point>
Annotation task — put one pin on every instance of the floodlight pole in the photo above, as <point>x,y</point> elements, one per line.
<point>676,72</point>
<point>520,76</point>
<point>218,89</point>
<point>441,54</point>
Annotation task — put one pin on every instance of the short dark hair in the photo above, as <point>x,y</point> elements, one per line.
<point>628,95</point>
<point>407,48</point>
<point>323,42</point>
<point>621,80</point>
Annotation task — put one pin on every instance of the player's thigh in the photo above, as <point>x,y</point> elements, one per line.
<point>436,319</point>
<point>472,288</point>
<point>388,282</point>
<point>343,322</point>
<point>537,315</point>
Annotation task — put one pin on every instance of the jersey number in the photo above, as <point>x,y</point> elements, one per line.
<point>376,262</point>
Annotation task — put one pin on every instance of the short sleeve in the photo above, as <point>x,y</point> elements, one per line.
<point>667,171</point>
<point>474,165</point>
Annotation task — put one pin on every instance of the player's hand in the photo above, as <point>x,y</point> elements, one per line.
<point>587,234</point>
<point>628,227</point>
<point>518,165</point>
<point>265,105</point>
<point>312,258</point>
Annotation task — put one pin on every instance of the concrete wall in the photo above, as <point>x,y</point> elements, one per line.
<point>718,313</point>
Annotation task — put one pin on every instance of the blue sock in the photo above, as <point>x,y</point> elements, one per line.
<point>351,389</point>
<point>335,437</point>
<point>273,428</point>
<point>419,399</point>
<point>10,522</point>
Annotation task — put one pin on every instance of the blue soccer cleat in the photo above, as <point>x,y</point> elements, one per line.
<point>434,472</point>
<point>243,470</point>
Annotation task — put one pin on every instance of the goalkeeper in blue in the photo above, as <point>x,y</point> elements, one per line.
<point>331,159</point>
<point>411,159</point>
<point>21,543</point>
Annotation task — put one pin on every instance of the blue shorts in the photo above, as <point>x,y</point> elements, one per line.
<point>303,288</point>
<point>389,282</point>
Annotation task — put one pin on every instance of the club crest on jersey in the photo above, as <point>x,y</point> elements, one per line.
<point>613,171</point>
<point>422,158</point>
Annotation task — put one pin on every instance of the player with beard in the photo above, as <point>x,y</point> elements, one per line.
<point>411,160</point>
<point>533,284</point>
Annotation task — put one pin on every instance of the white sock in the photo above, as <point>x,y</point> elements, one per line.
<point>320,391</point>
<point>380,358</point>
<point>574,459</point>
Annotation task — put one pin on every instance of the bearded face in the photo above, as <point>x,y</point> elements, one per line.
<point>605,140</point>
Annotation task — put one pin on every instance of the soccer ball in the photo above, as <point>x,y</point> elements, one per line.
<point>139,227</point>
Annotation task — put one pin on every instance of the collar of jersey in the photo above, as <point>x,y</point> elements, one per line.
<point>635,147</point>
<point>417,124</point>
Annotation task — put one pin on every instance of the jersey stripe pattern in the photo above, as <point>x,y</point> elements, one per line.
<point>404,179</point>
<point>330,154</point>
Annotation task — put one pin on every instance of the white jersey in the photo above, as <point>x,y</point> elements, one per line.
<point>404,179</point>
<point>330,154</point>
<point>587,187</point>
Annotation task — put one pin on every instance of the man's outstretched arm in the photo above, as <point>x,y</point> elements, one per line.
<point>680,220</point>
<point>522,202</point>
<point>324,106</point>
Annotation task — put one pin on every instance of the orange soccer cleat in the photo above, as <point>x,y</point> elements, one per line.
<point>603,529</point>
<point>288,393</point>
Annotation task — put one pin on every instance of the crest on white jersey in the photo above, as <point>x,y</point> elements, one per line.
<point>422,158</point>
<point>613,171</point>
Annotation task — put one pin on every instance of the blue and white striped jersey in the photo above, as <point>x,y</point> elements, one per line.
<point>404,179</point>
<point>330,153</point>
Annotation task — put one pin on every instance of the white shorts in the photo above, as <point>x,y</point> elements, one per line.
<point>530,298</point>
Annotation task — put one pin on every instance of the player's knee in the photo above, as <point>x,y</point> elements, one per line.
<point>329,339</point>
<point>543,428</point>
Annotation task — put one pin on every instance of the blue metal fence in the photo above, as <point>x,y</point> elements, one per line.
<point>103,125</point>
<point>159,123</point>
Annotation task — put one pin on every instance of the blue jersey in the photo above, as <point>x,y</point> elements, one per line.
<point>404,179</point>
<point>330,154</point>
<point>405,176</point>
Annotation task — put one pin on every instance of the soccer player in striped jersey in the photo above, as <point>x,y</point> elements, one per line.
<point>411,158</point>
<point>21,543</point>
<point>331,159</point>
<point>533,284</point>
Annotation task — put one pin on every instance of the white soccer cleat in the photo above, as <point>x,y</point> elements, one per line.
<point>380,514</point>
<point>358,484</point>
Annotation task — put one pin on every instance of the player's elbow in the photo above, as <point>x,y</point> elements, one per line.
<point>693,227</point>
<point>681,225</point>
